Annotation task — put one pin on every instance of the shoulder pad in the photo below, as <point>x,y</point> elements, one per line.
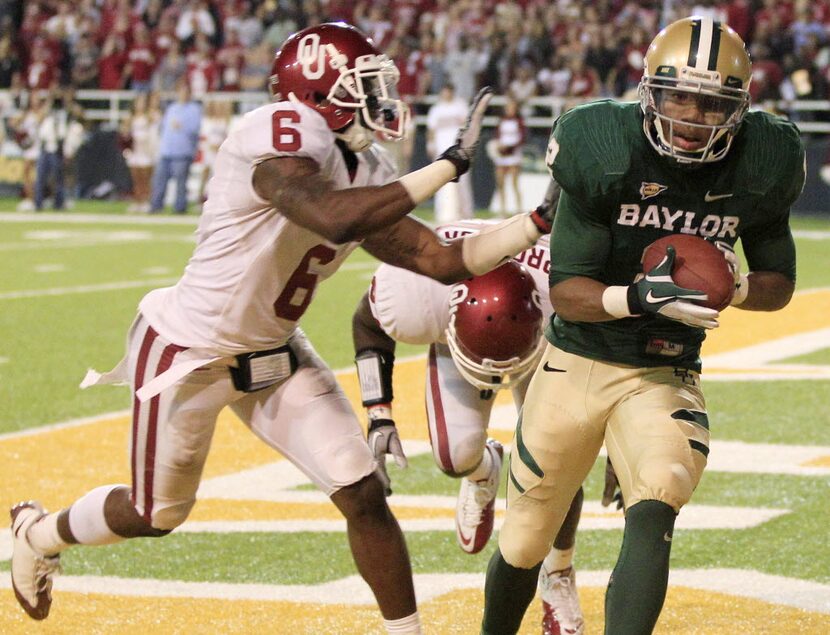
<point>591,146</point>
<point>283,129</point>
<point>771,153</point>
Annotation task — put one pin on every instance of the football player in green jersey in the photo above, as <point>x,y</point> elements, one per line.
<point>623,361</point>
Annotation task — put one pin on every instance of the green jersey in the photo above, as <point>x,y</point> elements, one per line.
<point>619,195</point>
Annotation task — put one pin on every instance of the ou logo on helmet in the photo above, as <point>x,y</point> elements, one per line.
<point>458,295</point>
<point>312,56</point>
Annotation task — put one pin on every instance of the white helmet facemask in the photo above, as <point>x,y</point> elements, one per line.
<point>720,109</point>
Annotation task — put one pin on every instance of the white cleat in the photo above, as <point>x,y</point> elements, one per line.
<point>561,613</point>
<point>31,571</point>
<point>475,509</point>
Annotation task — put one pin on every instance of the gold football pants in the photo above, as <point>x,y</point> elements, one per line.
<point>653,423</point>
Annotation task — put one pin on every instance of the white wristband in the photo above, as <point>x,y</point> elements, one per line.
<point>741,291</point>
<point>498,243</point>
<point>422,184</point>
<point>615,302</point>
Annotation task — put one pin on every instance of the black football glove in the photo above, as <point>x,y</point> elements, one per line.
<point>657,293</point>
<point>461,153</point>
<point>544,214</point>
<point>383,439</point>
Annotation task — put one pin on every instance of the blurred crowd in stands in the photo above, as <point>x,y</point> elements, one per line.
<point>571,49</point>
<point>522,47</point>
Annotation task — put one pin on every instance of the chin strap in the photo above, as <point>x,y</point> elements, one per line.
<point>355,136</point>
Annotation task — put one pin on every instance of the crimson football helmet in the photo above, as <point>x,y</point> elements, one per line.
<point>336,70</point>
<point>495,328</point>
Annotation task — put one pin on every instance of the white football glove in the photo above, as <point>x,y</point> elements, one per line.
<point>383,439</point>
<point>741,283</point>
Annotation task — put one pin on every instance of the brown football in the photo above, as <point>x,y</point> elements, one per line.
<point>698,265</point>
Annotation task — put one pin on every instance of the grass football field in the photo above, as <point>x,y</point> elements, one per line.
<point>265,552</point>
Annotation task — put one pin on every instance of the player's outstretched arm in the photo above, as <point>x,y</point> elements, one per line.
<point>375,360</point>
<point>297,189</point>
<point>412,245</point>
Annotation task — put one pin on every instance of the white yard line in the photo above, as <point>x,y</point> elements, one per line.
<point>765,353</point>
<point>594,517</point>
<point>74,423</point>
<point>352,590</point>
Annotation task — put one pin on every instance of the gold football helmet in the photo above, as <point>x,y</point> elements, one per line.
<point>695,89</point>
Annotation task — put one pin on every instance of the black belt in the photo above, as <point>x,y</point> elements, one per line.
<point>263,368</point>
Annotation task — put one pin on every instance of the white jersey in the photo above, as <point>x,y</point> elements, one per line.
<point>414,309</point>
<point>254,272</point>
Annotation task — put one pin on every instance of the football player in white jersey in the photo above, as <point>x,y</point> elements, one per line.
<point>297,185</point>
<point>484,334</point>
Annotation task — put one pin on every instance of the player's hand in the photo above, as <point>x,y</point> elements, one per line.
<point>543,215</point>
<point>461,153</point>
<point>611,492</point>
<point>383,440</point>
<point>657,293</point>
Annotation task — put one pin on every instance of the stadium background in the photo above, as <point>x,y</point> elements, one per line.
<point>263,550</point>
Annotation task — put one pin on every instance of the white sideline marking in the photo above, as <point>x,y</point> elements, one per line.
<point>64,235</point>
<point>88,288</point>
<point>95,219</point>
<point>352,590</point>
<point>811,234</point>
<point>96,239</point>
<point>129,284</point>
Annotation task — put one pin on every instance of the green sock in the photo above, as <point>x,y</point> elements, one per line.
<point>638,583</point>
<point>508,592</point>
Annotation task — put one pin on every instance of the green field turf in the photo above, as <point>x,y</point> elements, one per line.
<point>69,291</point>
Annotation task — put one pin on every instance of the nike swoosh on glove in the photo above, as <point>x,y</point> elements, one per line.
<point>657,293</point>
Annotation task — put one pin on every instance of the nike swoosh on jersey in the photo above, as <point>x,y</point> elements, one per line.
<point>551,369</point>
<point>715,197</point>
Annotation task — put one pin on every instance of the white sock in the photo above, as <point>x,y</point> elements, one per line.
<point>43,536</point>
<point>559,559</point>
<point>86,518</point>
<point>483,469</point>
<point>409,625</point>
